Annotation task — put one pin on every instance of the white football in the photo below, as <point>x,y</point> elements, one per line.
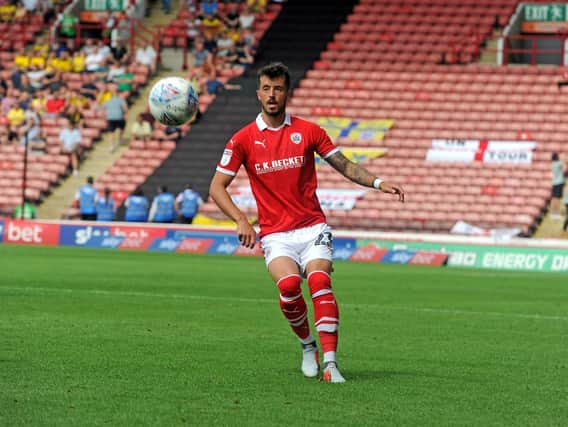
<point>173,101</point>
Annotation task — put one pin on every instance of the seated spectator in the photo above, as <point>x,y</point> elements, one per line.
<point>89,90</point>
<point>63,63</point>
<point>8,101</point>
<point>210,42</point>
<point>232,16</point>
<point>211,23</point>
<point>121,77</point>
<point>201,56</point>
<point>75,116</point>
<point>213,85</point>
<point>37,77</point>
<point>119,53</point>
<point>70,138</point>
<point>78,62</point>
<point>16,116</point>
<point>41,47</point>
<point>95,62</point>
<point>141,129</point>
<point>55,104</point>
<point>26,86</point>
<point>22,61</point>
<point>104,93</point>
<point>146,56</point>
<point>246,19</point>
<point>257,6</point>
<point>7,12</point>
<point>89,47</point>
<point>209,7</point>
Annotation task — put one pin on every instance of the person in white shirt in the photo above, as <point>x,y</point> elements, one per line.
<point>146,56</point>
<point>70,138</point>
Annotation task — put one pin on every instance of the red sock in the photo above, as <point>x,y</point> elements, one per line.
<point>326,312</point>
<point>293,305</point>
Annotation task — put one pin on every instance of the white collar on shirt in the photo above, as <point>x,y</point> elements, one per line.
<point>262,124</point>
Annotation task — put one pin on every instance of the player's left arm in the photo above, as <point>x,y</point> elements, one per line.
<point>358,174</point>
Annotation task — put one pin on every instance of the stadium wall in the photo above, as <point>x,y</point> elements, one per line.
<point>396,248</point>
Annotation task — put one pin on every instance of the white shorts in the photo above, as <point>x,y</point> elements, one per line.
<point>302,245</point>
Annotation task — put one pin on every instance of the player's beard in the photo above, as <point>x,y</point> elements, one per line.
<point>274,113</point>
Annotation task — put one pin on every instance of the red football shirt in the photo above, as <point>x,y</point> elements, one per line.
<point>281,169</point>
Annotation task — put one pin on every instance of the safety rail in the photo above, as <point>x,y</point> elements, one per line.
<point>525,49</point>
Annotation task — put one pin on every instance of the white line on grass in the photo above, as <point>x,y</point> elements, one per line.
<point>271,301</point>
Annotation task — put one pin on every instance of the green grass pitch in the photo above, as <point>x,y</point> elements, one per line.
<point>95,337</point>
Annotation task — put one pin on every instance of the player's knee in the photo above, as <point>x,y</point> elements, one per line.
<point>319,283</point>
<point>289,286</point>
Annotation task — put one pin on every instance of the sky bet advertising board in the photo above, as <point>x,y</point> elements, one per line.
<point>185,240</point>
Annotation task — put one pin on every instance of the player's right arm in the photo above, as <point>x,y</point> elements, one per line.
<point>218,192</point>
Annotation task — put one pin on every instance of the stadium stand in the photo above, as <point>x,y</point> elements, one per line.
<point>383,64</point>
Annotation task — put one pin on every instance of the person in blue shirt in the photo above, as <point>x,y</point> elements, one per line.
<point>85,197</point>
<point>163,209</point>
<point>136,207</point>
<point>105,207</point>
<point>187,204</point>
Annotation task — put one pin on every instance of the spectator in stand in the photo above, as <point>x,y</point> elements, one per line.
<point>105,206</point>
<point>16,117</point>
<point>232,16</point>
<point>136,207</point>
<point>29,211</point>
<point>213,85</point>
<point>209,7</point>
<point>41,47</point>
<point>89,90</point>
<point>557,185</point>
<point>95,62</point>
<point>141,129</point>
<point>210,43</point>
<point>257,6</point>
<point>75,116</point>
<point>120,53</point>
<point>163,209</point>
<point>201,56</point>
<point>70,138</point>
<point>55,104</point>
<point>7,12</point>
<point>116,109</point>
<point>37,77</point>
<point>187,204</point>
<point>166,6</point>
<point>85,198</point>
<point>78,62</point>
<point>146,56</point>
<point>8,101</point>
<point>246,19</point>
<point>67,25</point>
<point>31,130</point>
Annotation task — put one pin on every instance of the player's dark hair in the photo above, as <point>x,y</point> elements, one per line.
<point>90,180</point>
<point>273,71</point>
<point>555,157</point>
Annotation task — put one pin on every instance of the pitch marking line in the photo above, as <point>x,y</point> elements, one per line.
<point>270,301</point>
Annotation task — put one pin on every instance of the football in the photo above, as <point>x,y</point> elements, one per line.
<point>173,101</point>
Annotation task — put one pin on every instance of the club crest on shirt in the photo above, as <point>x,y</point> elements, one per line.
<point>296,137</point>
<point>226,157</point>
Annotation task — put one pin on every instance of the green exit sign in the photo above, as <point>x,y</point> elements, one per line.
<point>104,5</point>
<point>546,12</point>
